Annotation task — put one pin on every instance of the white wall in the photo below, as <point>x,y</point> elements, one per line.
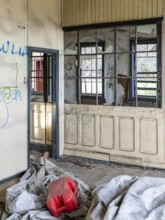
<point>44,18</point>
<point>23,23</point>
<point>13,90</point>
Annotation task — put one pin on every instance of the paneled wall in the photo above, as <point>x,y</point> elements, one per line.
<point>126,135</point>
<point>116,134</point>
<point>83,12</point>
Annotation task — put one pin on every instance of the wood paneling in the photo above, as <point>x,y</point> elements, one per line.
<point>71,129</point>
<point>88,130</point>
<point>107,132</point>
<point>148,142</point>
<point>82,12</point>
<point>127,135</point>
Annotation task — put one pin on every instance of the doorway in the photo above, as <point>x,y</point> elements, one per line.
<point>43,101</point>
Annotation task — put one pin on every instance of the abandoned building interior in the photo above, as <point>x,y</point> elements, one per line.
<point>82,78</point>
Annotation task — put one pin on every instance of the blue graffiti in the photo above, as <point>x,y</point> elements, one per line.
<point>11,48</point>
<point>8,95</point>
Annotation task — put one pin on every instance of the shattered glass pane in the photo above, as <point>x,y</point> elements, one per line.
<point>124,35</point>
<point>70,65</point>
<point>106,38</point>
<point>70,43</point>
<point>147,31</point>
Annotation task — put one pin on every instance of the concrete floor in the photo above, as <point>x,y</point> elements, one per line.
<point>96,172</point>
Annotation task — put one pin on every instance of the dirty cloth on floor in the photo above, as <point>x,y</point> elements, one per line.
<point>129,198</point>
<point>27,199</point>
<point>121,198</point>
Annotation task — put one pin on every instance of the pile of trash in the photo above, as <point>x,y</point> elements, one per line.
<point>121,198</point>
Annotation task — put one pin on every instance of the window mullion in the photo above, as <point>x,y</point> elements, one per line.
<point>135,80</point>
<point>96,70</point>
<point>159,68</point>
<point>115,66</point>
<point>79,79</point>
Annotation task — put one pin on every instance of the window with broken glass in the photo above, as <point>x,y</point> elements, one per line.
<point>119,65</point>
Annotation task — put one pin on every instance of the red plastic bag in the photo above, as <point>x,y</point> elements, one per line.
<point>62,196</point>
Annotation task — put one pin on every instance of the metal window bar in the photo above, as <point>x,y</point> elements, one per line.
<point>115,65</point>
<point>91,82</point>
<point>159,64</point>
<point>96,69</point>
<point>135,68</point>
<point>135,77</point>
<point>79,71</point>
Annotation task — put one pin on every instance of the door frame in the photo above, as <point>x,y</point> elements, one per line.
<point>54,150</point>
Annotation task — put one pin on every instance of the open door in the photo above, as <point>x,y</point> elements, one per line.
<point>43,100</point>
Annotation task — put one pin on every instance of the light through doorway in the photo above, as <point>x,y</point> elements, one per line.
<point>43,101</point>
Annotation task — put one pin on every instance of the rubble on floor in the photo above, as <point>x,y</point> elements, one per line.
<point>106,191</point>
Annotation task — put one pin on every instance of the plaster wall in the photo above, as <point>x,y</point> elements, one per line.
<point>23,23</point>
<point>46,32</point>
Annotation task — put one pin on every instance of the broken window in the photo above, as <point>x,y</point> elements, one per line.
<point>119,65</point>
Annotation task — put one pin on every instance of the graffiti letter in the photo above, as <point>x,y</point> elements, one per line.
<point>13,50</point>
<point>7,95</point>
<point>2,49</point>
<point>23,52</point>
<point>16,95</point>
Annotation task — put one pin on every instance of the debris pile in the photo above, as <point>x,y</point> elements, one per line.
<point>27,199</point>
<point>122,197</point>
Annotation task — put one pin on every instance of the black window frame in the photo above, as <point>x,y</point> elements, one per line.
<point>92,44</point>
<point>132,68</point>
<point>47,62</point>
<point>157,103</point>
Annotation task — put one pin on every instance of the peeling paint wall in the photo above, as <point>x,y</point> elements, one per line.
<point>23,23</point>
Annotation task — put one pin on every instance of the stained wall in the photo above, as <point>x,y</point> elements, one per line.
<point>127,135</point>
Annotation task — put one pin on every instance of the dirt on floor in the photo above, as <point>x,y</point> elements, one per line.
<point>94,172</point>
<point>97,172</point>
